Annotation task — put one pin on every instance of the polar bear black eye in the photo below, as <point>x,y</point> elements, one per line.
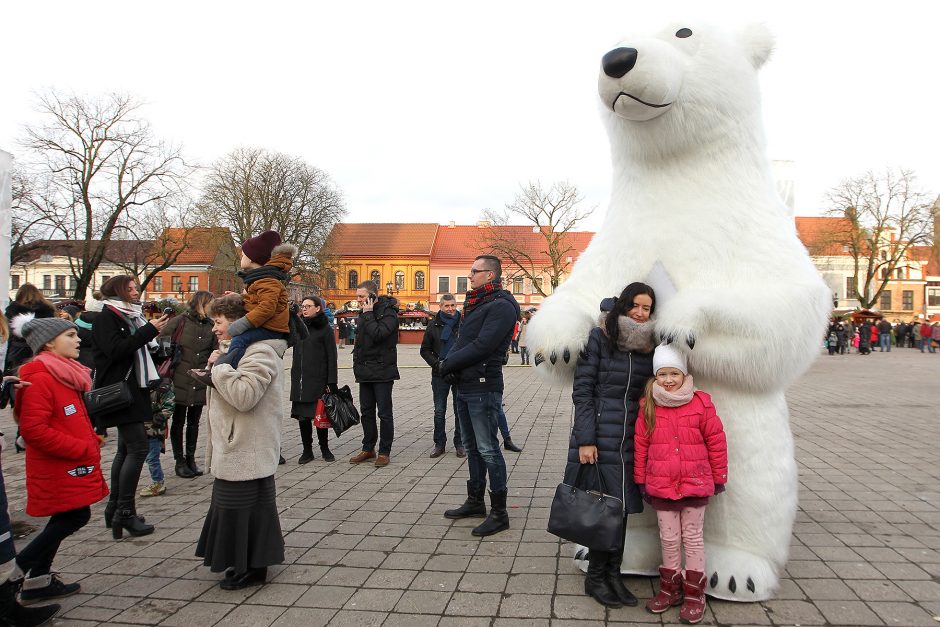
<point>682,33</point>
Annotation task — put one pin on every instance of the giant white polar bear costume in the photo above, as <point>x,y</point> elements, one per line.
<point>692,189</point>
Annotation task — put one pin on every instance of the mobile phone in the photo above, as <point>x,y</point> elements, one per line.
<point>168,311</point>
<point>373,298</point>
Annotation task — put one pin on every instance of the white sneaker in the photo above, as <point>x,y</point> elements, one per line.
<point>154,489</point>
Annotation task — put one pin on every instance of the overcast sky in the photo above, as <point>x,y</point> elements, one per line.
<point>433,111</point>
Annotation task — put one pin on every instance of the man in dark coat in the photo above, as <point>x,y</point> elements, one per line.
<point>884,335</point>
<point>439,338</point>
<point>375,365</point>
<point>475,365</point>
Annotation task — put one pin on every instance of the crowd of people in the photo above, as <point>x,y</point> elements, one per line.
<point>846,336</point>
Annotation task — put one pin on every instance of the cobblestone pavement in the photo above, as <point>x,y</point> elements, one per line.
<point>369,546</point>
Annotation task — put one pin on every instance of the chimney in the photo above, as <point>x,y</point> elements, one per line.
<point>484,224</point>
<point>452,225</point>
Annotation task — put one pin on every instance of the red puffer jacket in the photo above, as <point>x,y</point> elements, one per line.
<point>687,454</point>
<point>63,459</point>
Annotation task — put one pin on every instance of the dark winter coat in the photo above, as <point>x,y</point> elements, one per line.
<point>117,343</point>
<point>480,351</point>
<point>432,345</point>
<point>314,363</point>
<point>375,356</point>
<point>18,351</point>
<point>608,386</point>
<point>86,352</point>
<point>63,457</point>
<point>197,342</point>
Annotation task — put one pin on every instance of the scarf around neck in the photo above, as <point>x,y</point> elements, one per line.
<point>633,335</point>
<point>476,297</point>
<point>143,363</point>
<point>450,322</point>
<point>674,399</point>
<point>66,371</point>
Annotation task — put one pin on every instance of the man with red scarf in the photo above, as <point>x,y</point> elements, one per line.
<point>475,367</point>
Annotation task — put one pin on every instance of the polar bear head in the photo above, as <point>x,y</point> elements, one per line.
<point>678,86</point>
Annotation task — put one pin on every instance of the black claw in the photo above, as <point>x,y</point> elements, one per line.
<point>553,358</point>
<point>582,354</point>
<point>690,341</point>
<point>579,555</point>
<point>668,339</point>
<point>566,355</point>
<point>750,584</point>
<point>714,580</point>
<point>732,585</point>
<point>539,358</point>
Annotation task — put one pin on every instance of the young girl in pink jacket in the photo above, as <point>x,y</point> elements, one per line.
<point>680,460</point>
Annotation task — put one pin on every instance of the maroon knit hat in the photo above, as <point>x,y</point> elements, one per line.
<point>259,248</point>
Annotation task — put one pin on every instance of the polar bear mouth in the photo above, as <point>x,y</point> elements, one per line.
<point>613,105</point>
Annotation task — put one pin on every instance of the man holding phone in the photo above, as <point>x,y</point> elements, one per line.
<point>375,365</point>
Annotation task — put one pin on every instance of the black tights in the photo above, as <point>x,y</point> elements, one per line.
<point>132,449</point>
<point>190,417</point>
<point>37,557</point>
<point>306,434</point>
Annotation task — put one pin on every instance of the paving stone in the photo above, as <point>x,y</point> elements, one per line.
<point>894,613</point>
<point>252,616</point>
<point>304,617</point>
<point>149,612</point>
<point>357,618</point>
<point>882,590</point>
<point>473,604</point>
<point>526,606</point>
<point>848,613</point>
<point>198,613</point>
<point>579,607</point>
<point>794,612</point>
<point>728,613</point>
<point>281,594</point>
<point>827,590</point>
<point>423,602</point>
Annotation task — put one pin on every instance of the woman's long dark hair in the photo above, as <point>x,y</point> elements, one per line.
<point>623,304</point>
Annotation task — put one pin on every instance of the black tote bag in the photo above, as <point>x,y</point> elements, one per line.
<point>109,398</point>
<point>341,410</point>
<point>592,519</point>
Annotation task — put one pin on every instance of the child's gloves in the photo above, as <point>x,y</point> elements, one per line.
<point>719,488</point>
<point>646,495</point>
<point>239,326</point>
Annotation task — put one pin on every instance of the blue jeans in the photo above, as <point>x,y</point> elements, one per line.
<point>153,459</point>
<point>440,391</point>
<point>240,343</point>
<point>926,342</point>
<point>884,339</point>
<point>7,550</point>
<point>478,413</point>
<point>503,423</point>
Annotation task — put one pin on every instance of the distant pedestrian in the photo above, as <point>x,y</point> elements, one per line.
<point>439,337</point>
<point>935,337</point>
<point>514,343</point>
<point>523,349</point>
<point>162,403</point>
<point>884,335</point>
<point>926,333</point>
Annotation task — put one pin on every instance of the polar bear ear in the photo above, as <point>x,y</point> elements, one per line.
<point>758,43</point>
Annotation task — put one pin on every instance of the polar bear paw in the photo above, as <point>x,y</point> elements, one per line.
<point>737,575</point>
<point>555,338</point>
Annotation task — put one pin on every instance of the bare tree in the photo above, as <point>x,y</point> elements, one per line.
<point>545,248</point>
<point>885,215</point>
<point>251,190</point>
<point>93,162</point>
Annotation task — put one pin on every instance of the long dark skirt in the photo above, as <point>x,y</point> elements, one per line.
<point>300,409</point>
<point>242,528</point>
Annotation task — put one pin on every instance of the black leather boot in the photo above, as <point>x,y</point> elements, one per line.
<point>596,585</point>
<point>616,581</point>
<point>109,512</point>
<point>192,434</point>
<point>193,468</point>
<point>183,470</point>
<point>473,507</point>
<point>12,613</point>
<point>126,518</point>
<point>498,520</point>
<point>509,446</point>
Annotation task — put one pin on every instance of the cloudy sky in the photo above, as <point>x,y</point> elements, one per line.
<point>434,111</point>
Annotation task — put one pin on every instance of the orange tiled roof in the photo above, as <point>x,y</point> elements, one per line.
<point>823,236</point>
<point>463,243</point>
<point>202,243</point>
<point>382,239</point>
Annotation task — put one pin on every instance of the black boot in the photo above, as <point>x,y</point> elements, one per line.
<point>509,446</point>
<point>12,613</point>
<point>498,520</point>
<point>322,435</point>
<point>109,512</point>
<point>615,581</point>
<point>473,507</point>
<point>595,584</point>
<point>193,468</point>
<point>192,434</point>
<point>126,518</point>
<point>183,470</point>
<point>306,456</point>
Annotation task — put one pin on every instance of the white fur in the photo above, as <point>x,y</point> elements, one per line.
<point>18,322</point>
<point>692,188</point>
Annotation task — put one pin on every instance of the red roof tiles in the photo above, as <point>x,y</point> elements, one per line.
<point>382,239</point>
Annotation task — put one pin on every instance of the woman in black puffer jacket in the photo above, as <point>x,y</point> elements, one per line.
<point>609,379</point>
<point>29,302</point>
<point>312,372</point>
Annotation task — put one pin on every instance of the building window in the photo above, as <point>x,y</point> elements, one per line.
<point>536,286</point>
<point>462,284</point>
<point>885,304</point>
<point>193,283</point>
<point>907,300</point>
<point>399,280</point>
<point>353,279</point>
<point>176,284</point>
<point>443,284</point>
<point>419,280</point>
<point>73,283</point>
<point>14,281</point>
<point>933,297</point>
<point>60,284</point>
<point>376,278</point>
<point>330,280</point>
<point>158,284</point>
<point>47,281</point>
<point>517,284</point>
<point>851,288</point>
<point>900,273</point>
<point>104,278</point>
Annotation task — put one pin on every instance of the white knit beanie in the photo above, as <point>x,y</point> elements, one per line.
<point>667,356</point>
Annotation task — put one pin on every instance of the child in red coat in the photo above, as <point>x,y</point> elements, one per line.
<point>63,458</point>
<point>680,460</point>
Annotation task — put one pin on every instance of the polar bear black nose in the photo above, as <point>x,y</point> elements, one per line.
<point>619,61</point>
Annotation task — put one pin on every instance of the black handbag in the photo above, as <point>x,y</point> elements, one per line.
<point>109,398</point>
<point>589,518</point>
<point>341,410</point>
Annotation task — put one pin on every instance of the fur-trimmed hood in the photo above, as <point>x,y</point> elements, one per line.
<point>282,257</point>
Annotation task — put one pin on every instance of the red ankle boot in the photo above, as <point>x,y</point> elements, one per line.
<point>670,591</point>
<point>693,608</point>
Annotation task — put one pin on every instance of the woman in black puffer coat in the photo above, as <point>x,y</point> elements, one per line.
<point>609,379</point>
<point>312,372</point>
<point>29,301</point>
